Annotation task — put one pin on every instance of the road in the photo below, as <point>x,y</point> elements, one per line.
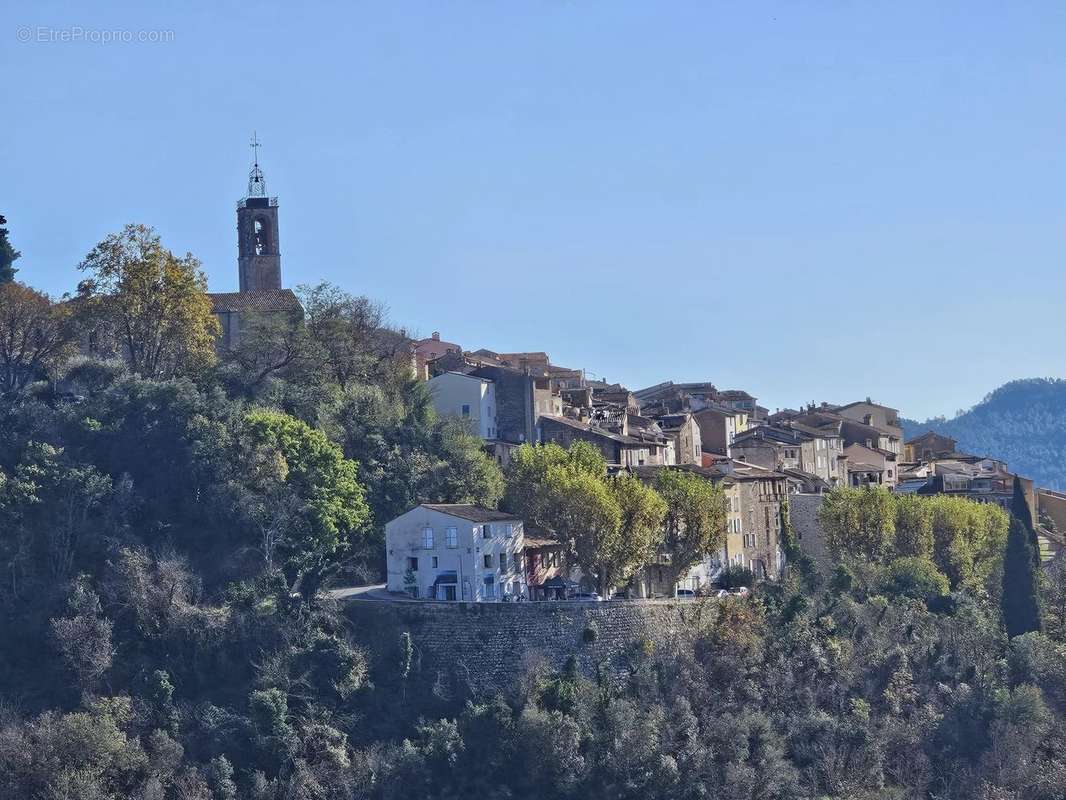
<point>373,592</point>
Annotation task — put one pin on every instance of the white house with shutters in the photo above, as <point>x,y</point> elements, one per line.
<point>456,552</point>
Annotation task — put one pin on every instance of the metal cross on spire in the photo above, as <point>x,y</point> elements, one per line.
<point>256,183</point>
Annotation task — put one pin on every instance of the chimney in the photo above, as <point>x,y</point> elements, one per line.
<point>436,336</point>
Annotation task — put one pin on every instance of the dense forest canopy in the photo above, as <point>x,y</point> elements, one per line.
<point>167,527</point>
<point>1022,422</point>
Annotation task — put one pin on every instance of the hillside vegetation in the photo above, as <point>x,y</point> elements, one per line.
<point>1022,422</point>
<point>167,530</point>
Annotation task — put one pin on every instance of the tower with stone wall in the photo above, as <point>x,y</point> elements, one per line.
<point>258,253</point>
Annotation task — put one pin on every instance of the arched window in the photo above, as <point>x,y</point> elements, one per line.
<point>262,237</point>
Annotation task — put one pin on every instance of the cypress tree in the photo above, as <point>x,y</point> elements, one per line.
<point>8,254</point>
<point>1019,508</point>
<point>1021,608</point>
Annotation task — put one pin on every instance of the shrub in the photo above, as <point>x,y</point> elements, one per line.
<point>914,576</point>
<point>733,577</point>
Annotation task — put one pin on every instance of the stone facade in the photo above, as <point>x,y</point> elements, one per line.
<point>760,523</point>
<point>515,410</point>
<point>486,647</point>
<point>803,513</point>
<point>258,249</point>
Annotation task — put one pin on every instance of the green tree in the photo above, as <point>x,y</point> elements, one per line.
<point>147,305</point>
<point>583,512</point>
<point>914,576</point>
<point>297,467</point>
<point>528,493</point>
<point>8,254</point>
<point>354,338</point>
<point>1020,603</point>
<point>914,526</point>
<point>612,526</point>
<point>640,534</point>
<point>1019,507</point>
<point>695,518</point>
<point>463,472</point>
<point>859,523</point>
<point>36,336</point>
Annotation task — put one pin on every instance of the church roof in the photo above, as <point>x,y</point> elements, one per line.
<point>270,300</point>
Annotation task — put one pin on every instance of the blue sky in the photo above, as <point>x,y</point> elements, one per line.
<point>807,200</point>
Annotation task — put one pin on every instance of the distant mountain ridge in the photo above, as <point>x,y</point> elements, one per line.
<point>1022,422</point>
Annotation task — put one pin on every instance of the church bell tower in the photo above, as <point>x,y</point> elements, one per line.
<point>258,256</point>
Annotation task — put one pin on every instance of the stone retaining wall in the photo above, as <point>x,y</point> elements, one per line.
<point>486,647</point>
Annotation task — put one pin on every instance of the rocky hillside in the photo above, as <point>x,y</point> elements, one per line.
<point>1022,422</point>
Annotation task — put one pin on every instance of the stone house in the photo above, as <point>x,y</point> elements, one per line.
<point>465,552</point>
<point>774,447</point>
<point>520,399</point>
<point>683,429</point>
<point>928,446</point>
<point>739,400</point>
<point>719,426</point>
<point>866,411</point>
<point>619,450</point>
<point>761,493</point>
<point>239,311</point>
<point>424,351</point>
<point>653,580</point>
<point>815,455</point>
<point>868,465</point>
<point>547,570</point>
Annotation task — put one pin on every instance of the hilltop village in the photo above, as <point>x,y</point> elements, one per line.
<point>762,463</point>
<point>262,545</point>
<point>760,458</point>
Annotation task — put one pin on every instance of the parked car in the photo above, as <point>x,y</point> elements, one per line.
<point>685,594</point>
<point>721,593</point>
<point>588,597</point>
<point>742,591</point>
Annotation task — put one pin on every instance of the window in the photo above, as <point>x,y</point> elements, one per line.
<point>503,562</point>
<point>262,237</point>
<point>427,539</point>
<point>508,530</point>
<point>487,560</point>
<point>412,564</point>
<point>486,532</point>
<point>490,588</point>
<point>434,562</point>
<point>466,409</point>
<point>749,540</point>
<point>517,562</point>
<point>451,538</point>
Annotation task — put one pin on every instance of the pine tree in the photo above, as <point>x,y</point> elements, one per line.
<point>1021,608</point>
<point>8,254</point>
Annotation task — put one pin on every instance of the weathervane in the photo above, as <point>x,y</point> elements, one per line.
<point>256,183</point>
